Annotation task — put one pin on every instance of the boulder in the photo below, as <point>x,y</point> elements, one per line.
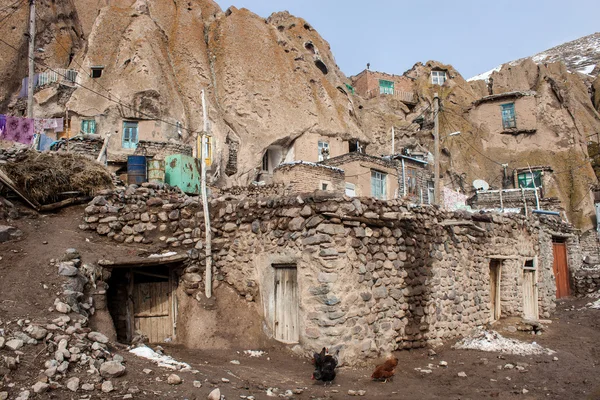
<point>97,337</point>
<point>112,369</point>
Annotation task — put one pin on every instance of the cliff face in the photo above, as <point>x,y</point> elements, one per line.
<point>269,82</point>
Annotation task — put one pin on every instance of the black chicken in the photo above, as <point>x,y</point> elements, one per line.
<point>325,365</point>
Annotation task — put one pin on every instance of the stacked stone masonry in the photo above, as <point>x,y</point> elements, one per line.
<point>160,150</point>
<point>373,276</point>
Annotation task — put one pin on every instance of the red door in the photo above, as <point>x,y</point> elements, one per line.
<point>561,270</point>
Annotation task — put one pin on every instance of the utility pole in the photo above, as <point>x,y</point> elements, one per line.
<point>393,141</point>
<point>436,150</point>
<point>207,235</point>
<point>31,54</point>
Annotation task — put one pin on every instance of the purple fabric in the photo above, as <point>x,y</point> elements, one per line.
<point>19,130</point>
<point>2,126</point>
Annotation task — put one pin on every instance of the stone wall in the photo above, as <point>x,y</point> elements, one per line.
<point>586,280</point>
<point>159,150</point>
<point>512,198</point>
<point>86,145</point>
<point>373,276</point>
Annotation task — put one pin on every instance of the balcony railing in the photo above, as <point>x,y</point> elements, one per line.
<point>405,97</point>
<point>67,77</point>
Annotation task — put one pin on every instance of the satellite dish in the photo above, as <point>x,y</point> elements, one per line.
<point>480,184</point>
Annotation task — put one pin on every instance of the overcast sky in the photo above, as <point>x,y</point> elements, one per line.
<point>393,35</point>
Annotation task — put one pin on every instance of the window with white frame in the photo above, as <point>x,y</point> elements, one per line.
<point>323,150</point>
<point>350,189</point>
<point>88,126</point>
<point>378,185</point>
<point>438,77</point>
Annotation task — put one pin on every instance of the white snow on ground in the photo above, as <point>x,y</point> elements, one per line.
<point>254,353</point>
<point>485,340</point>
<point>160,360</point>
<point>595,304</point>
<point>587,70</point>
<point>169,254</point>
<point>485,76</point>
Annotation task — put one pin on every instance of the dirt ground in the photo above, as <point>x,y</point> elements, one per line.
<point>24,270</point>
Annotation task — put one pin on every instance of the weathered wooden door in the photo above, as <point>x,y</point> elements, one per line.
<point>495,271</point>
<point>561,270</point>
<point>152,309</point>
<point>530,304</point>
<point>286,304</point>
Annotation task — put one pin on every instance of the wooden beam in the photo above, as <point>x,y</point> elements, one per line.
<point>143,262</point>
<point>63,203</point>
<point>165,277</point>
<point>8,182</point>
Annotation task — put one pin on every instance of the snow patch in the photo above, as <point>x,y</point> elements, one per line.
<point>587,69</point>
<point>492,341</point>
<point>594,305</point>
<point>160,359</point>
<point>254,353</point>
<point>169,254</point>
<point>486,75</point>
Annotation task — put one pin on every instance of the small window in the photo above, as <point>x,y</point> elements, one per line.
<point>438,77</point>
<point>96,72</point>
<point>386,87</point>
<point>88,126</point>
<point>323,150</point>
<point>378,185</point>
<point>130,134</point>
<point>509,119</point>
<point>265,161</point>
<point>350,189</point>
<point>207,150</point>
<point>430,192</point>
<point>324,185</point>
<point>411,182</point>
<point>530,180</point>
<point>529,264</point>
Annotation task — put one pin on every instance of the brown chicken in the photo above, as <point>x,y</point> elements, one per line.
<point>386,370</point>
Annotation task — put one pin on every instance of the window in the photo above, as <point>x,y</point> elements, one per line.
<point>88,126</point>
<point>323,150</point>
<point>411,182</point>
<point>207,150</point>
<point>529,264</point>
<point>130,134</point>
<point>350,190</point>
<point>430,192</point>
<point>96,72</point>
<point>529,180</point>
<point>378,185</point>
<point>509,119</point>
<point>438,77</point>
<point>324,185</point>
<point>386,87</point>
<point>350,88</point>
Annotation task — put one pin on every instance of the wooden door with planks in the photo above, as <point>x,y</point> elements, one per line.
<point>286,304</point>
<point>561,269</point>
<point>153,306</point>
<point>495,274</point>
<point>530,304</point>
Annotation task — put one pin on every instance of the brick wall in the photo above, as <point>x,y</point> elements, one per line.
<point>366,83</point>
<point>160,150</point>
<point>303,177</point>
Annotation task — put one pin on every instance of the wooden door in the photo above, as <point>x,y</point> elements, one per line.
<point>286,304</point>
<point>152,309</point>
<point>530,305</point>
<point>561,270</point>
<point>495,271</point>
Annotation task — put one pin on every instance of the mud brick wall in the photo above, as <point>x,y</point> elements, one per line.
<point>303,177</point>
<point>87,145</point>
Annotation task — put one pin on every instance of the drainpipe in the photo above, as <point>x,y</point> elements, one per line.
<point>403,179</point>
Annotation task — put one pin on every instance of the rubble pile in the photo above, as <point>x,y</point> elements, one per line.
<point>77,358</point>
<point>485,340</point>
<point>13,154</point>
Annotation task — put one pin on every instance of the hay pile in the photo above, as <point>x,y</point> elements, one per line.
<point>44,176</point>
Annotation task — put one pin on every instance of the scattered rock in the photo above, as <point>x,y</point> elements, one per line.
<point>3,395</point>
<point>197,384</point>
<point>24,395</point>
<point>107,387</point>
<point>173,379</point>
<point>224,380</point>
<point>214,395</point>
<point>73,384</point>
<point>36,332</point>
<point>40,387</point>
<point>443,363</point>
<point>112,369</point>
<point>462,374</point>
<point>147,371</point>
<point>97,337</point>
<point>88,387</point>
<point>14,344</point>
<point>62,307</point>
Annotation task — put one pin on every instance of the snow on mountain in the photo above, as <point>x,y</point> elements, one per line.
<point>579,55</point>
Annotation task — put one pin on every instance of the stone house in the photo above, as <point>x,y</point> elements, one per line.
<point>364,275</point>
<point>509,113</point>
<point>415,180</point>
<point>370,84</point>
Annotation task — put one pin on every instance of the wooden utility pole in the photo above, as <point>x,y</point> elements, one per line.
<point>31,58</point>
<point>436,150</point>
<point>393,141</point>
<point>207,244</point>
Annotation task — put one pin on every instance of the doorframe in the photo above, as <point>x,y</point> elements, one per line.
<point>567,241</point>
<point>497,311</point>
<point>274,267</point>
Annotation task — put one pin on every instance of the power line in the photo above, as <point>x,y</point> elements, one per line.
<point>151,117</point>
<point>11,13</point>
<point>12,5</point>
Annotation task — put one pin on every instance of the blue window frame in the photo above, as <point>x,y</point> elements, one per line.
<point>378,185</point>
<point>88,126</point>
<point>130,134</point>
<point>509,117</point>
<point>386,87</point>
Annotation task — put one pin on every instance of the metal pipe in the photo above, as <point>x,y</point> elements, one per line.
<point>546,212</point>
